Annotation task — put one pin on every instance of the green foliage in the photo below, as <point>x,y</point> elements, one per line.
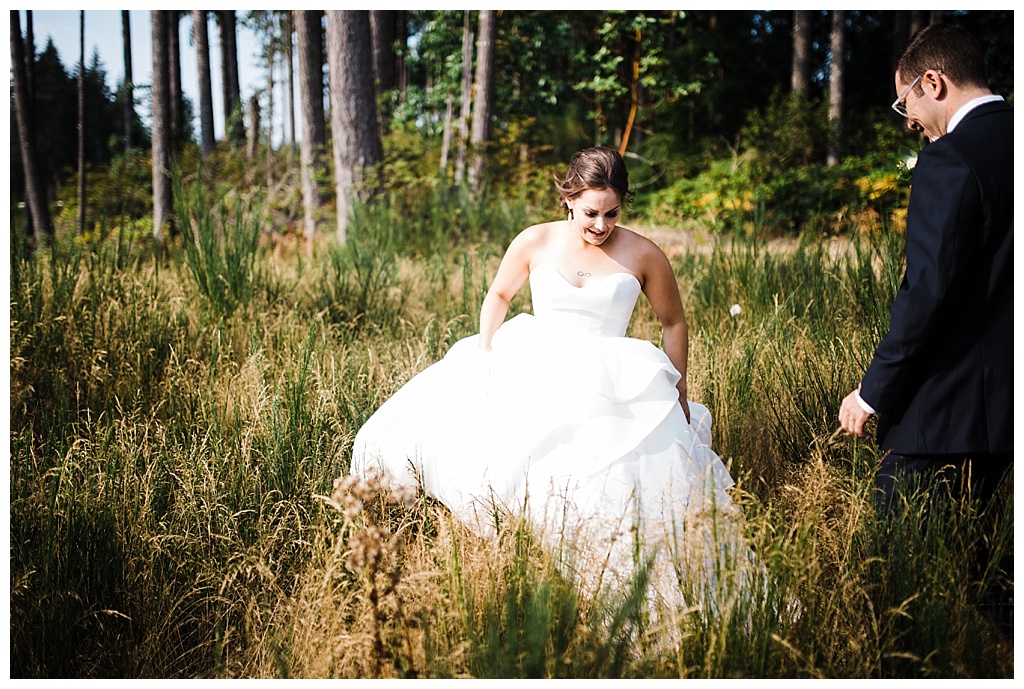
<point>634,53</point>
<point>524,625</point>
<point>362,289</point>
<point>807,324</point>
<point>56,105</point>
<point>790,131</point>
<point>709,90</point>
<point>776,183</point>
<point>221,245</point>
<point>926,576</point>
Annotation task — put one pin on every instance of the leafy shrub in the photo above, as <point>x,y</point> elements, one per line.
<point>777,182</point>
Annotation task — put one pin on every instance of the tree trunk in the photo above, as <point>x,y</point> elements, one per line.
<point>309,37</point>
<point>835,102</point>
<point>401,39</point>
<point>234,129</point>
<point>35,199</point>
<point>483,101</point>
<point>81,122</point>
<point>801,50</point>
<point>254,126</point>
<point>271,60</point>
<point>900,27</point>
<point>162,197</point>
<point>288,29</point>
<point>918,20</point>
<point>467,98</point>
<point>384,24</point>
<point>128,86</point>
<point>634,91</point>
<point>201,35</point>
<point>446,136</point>
<point>30,57</point>
<point>177,97</point>
<point>357,146</point>
<point>30,73</point>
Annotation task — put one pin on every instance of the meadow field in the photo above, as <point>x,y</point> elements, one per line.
<point>177,423</point>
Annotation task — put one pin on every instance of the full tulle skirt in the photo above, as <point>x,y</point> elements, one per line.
<point>582,436</point>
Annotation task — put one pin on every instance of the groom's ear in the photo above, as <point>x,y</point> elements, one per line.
<point>934,84</point>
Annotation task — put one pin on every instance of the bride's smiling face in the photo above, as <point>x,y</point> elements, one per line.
<point>594,214</point>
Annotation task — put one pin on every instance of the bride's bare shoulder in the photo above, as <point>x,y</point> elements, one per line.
<point>538,235</point>
<point>637,243</point>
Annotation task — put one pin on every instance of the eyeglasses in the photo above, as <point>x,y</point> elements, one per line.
<point>898,105</point>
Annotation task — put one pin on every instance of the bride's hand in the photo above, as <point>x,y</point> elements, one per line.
<point>681,388</point>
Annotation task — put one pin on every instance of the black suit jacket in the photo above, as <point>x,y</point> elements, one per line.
<point>941,379</point>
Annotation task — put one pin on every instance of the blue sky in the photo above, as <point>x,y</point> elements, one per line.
<point>103,36</point>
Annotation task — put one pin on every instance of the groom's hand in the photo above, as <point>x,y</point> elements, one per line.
<point>852,416</point>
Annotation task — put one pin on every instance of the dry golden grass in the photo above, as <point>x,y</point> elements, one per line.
<point>170,465</point>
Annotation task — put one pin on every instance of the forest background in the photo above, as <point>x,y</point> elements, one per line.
<point>201,320</point>
<point>709,106</point>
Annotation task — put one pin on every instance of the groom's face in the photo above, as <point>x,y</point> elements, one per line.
<point>923,109</point>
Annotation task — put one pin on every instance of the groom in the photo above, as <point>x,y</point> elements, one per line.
<point>941,380</point>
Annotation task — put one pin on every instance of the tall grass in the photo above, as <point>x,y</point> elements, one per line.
<point>221,242</point>
<point>177,424</point>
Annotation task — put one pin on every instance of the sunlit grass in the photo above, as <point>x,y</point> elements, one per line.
<point>171,461</point>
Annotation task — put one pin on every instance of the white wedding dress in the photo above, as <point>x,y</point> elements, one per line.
<point>578,427</point>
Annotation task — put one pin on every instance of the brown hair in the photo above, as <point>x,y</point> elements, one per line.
<point>595,168</point>
<point>945,47</point>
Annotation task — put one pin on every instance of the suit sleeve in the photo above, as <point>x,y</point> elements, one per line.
<point>938,247</point>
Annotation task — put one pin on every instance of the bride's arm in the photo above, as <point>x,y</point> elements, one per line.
<point>663,293</point>
<point>512,274</point>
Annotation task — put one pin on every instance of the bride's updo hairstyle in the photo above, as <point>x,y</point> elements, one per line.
<point>595,168</point>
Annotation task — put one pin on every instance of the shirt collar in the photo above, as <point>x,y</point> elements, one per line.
<point>967,107</point>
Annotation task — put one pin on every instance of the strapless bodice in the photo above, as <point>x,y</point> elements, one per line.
<point>601,308</point>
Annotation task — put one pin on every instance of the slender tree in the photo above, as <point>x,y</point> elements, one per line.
<point>401,42</point>
<point>81,122</point>
<point>801,51</point>
<point>634,89</point>
<point>128,88</point>
<point>201,36</point>
<point>835,86</point>
<point>271,62</point>
<point>357,146</point>
<point>918,20</point>
<point>176,93</point>
<point>384,24</point>
<point>235,130</point>
<point>287,33</point>
<point>483,100</point>
<point>467,98</point>
<point>162,196</point>
<point>30,55</point>
<point>35,197</point>
<point>309,37</point>
<point>446,134</point>
<point>254,126</point>
<point>30,69</point>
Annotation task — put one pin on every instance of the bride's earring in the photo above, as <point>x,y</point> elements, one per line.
<point>570,214</point>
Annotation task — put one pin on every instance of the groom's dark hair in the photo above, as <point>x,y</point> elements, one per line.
<point>951,49</point>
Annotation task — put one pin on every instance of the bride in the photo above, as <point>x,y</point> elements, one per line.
<point>559,417</point>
